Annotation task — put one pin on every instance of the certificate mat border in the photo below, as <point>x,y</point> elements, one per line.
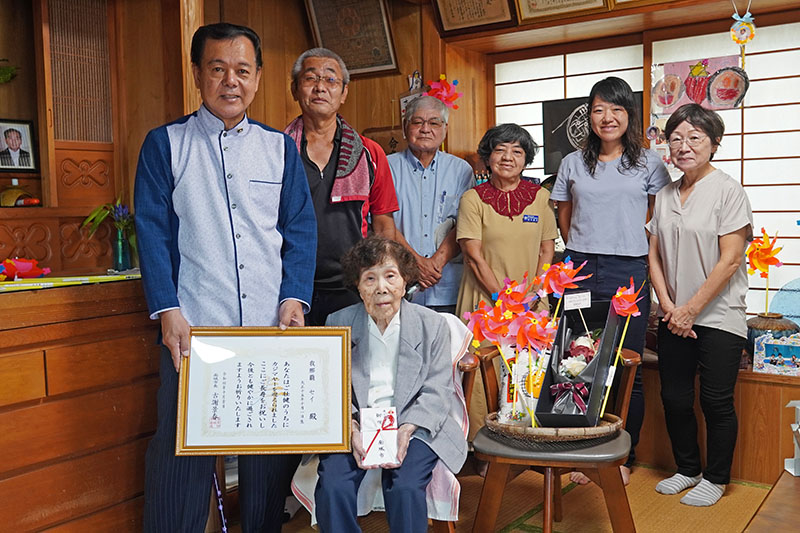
<point>181,448</point>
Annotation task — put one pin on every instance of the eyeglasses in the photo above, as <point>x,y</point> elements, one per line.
<point>692,140</point>
<point>434,123</point>
<point>310,80</point>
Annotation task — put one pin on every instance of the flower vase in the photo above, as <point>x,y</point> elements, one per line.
<point>121,251</point>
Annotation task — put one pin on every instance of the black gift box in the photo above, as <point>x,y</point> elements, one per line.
<point>600,315</point>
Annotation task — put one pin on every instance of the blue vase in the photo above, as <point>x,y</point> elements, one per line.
<point>121,251</point>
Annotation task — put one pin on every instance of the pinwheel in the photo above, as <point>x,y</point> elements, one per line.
<point>624,301</point>
<point>561,276</point>
<point>516,297</point>
<point>444,91</point>
<point>761,256</point>
<point>624,304</point>
<point>533,330</point>
<point>21,268</point>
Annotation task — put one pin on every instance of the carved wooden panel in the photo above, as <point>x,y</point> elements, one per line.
<point>31,239</point>
<point>84,178</point>
<point>79,250</point>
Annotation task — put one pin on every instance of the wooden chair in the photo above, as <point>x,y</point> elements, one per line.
<point>599,462</point>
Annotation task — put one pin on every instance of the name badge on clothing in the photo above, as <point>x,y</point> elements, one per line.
<point>530,218</point>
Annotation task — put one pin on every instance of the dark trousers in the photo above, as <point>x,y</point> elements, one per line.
<point>716,355</point>
<point>327,301</point>
<point>609,273</point>
<point>177,489</point>
<point>403,491</point>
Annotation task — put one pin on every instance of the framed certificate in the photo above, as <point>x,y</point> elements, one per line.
<point>535,10</point>
<point>358,30</point>
<point>265,390</point>
<point>466,16</point>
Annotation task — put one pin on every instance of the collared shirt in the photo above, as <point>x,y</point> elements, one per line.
<point>688,243</point>
<point>384,349</point>
<point>609,208</point>
<point>224,220</point>
<point>14,156</point>
<point>428,199</point>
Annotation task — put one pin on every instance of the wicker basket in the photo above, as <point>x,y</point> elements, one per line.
<point>609,427</point>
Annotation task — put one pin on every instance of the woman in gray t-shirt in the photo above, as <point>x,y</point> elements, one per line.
<point>699,230</point>
<point>603,194</point>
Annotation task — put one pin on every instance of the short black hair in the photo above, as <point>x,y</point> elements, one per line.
<point>9,131</point>
<point>219,32</point>
<point>373,251</point>
<point>701,118</point>
<point>507,133</point>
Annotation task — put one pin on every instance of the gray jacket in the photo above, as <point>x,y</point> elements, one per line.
<point>423,389</point>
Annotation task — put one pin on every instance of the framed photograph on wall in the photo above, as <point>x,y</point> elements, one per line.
<point>265,390</point>
<point>467,16</point>
<point>357,30</point>
<point>17,146</point>
<point>534,10</point>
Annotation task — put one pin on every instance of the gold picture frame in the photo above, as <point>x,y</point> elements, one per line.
<point>537,10</point>
<point>249,390</point>
<point>358,30</point>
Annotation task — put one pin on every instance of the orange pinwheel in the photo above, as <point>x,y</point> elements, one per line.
<point>487,323</point>
<point>444,91</point>
<point>624,301</point>
<point>534,330</point>
<point>559,277</point>
<point>761,256</point>
<point>516,297</point>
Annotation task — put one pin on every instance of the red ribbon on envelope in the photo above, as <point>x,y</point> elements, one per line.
<point>386,424</point>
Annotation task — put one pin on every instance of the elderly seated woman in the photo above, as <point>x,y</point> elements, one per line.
<point>401,357</point>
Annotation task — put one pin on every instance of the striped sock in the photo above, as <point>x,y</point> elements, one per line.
<point>677,483</point>
<point>704,494</point>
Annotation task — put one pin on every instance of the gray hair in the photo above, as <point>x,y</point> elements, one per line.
<point>427,102</point>
<point>319,52</point>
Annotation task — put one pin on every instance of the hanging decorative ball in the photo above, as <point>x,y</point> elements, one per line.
<point>743,31</point>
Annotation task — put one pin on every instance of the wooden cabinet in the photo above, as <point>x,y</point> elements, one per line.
<point>764,438</point>
<point>79,367</point>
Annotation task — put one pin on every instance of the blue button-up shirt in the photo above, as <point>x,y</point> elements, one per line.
<point>225,225</point>
<point>428,199</point>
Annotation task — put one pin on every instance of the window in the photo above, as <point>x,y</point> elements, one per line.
<point>761,146</point>
<point>522,86</point>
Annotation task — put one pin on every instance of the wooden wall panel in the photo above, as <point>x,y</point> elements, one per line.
<point>56,305</point>
<point>18,97</point>
<point>22,376</point>
<point>77,424</point>
<point>759,427</point>
<point>764,439</point>
<point>126,516</point>
<point>470,121</point>
<point>85,178</point>
<point>111,361</point>
<point>74,331</point>
<point>32,239</point>
<point>37,499</point>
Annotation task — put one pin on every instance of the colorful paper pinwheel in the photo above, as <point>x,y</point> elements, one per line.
<point>12,269</point>
<point>487,323</point>
<point>444,91</point>
<point>761,255</point>
<point>624,301</point>
<point>534,330</point>
<point>560,276</point>
<point>516,297</point>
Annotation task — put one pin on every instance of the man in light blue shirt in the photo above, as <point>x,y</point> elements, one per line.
<point>429,185</point>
